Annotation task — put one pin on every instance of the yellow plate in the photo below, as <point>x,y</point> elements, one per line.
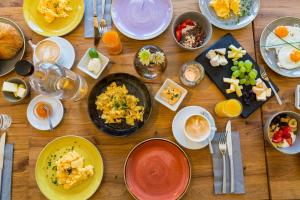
<point>82,191</point>
<point>60,26</point>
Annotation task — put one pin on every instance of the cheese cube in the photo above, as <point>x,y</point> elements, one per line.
<point>215,61</point>
<point>258,90</point>
<point>210,54</point>
<point>269,92</point>
<point>221,51</point>
<point>9,87</point>
<point>238,91</point>
<point>223,61</point>
<point>21,92</point>
<point>231,81</point>
<point>262,97</point>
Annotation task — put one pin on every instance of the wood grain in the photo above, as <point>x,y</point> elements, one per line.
<point>283,170</point>
<point>29,142</point>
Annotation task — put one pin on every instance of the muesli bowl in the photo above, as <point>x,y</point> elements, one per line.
<point>295,147</point>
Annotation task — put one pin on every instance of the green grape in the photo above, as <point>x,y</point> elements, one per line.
<point>234,68</point>
<point>242,81</point>
<point>243,69</point>
<point>248,69</point>
<point>252,81</point>
<point>247,82</point>
<point>252,75</point>
<point>241,64</point>
<point>248,64</point>
<point>254,71</point>
<point>236,73</point>
<point>235,63</point>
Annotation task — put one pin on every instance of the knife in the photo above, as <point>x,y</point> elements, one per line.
<point>229,148</point>
<point>96,25</point>
<point>2,146</point>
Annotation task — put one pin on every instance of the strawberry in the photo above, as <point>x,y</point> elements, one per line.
<point>189,22</point>
<point>289,141</point>
<point>286,132</point>
<point>182,25</point>
<point>178,35</point>
<point>277,138</point>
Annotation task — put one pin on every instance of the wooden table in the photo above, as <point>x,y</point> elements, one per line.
<point>268,173</point>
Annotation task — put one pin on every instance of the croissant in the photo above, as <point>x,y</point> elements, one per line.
<point>11,41</point>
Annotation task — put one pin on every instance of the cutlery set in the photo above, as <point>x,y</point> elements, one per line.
<point>225,147</point>
<point>99,27</point>
<point>2,146</point>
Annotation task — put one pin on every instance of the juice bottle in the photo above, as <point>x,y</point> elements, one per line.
<point>229,108</point>
<point>112,42</point>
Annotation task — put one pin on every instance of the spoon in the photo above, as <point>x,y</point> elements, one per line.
<point>46,108</point>
<point>209,141</point>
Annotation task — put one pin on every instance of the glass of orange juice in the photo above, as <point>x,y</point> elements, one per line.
<point>229,108</point>
<point>112,42</point>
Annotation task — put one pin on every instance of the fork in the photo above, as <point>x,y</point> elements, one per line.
<point>266,78</point>
<point>223,149</point>
<point>103,25</point>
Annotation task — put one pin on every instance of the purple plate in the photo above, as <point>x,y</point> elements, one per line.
<point>142,19</point>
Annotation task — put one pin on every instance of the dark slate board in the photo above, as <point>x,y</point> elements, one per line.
<point>216,74</point>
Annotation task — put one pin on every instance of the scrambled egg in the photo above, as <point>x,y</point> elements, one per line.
<point>171,95</point>
<point>52,9</point>
<point>223,7</point>
<point>116,104</point>
<point>71,170</point>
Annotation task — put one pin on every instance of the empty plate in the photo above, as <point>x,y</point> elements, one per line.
<point>157,169</point>
<point>143,19</point>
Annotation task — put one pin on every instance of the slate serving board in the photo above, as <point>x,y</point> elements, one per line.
<point>216,74</point>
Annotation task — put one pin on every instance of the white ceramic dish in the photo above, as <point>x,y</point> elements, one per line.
<point>270,56</point>
<point>82,65</point>
<point>56,116</point>
<point>179,122</point>
<point>232,23</point>
<point>162,101</point>
<point>67,52</point>
<point>295,148</point>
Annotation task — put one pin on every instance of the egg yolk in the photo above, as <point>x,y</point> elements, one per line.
<point>295,56</point>
<point>281,31</point>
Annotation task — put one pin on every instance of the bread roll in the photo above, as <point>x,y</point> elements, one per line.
<point>10,41</point>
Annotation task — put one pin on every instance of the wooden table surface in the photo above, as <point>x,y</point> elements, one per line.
<point>268,173</point>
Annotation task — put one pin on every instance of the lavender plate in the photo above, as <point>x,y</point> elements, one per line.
<point>142,19</point>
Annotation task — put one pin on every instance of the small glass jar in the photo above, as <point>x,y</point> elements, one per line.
<point>191,73</point>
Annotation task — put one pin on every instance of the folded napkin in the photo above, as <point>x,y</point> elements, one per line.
<point>218,165</point>
<point>7,172</point>
<point>89,16</point>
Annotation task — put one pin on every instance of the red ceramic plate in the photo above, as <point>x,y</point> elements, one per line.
<point>157,169</point>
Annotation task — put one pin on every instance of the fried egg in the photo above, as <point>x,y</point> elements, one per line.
<point>288,57</point>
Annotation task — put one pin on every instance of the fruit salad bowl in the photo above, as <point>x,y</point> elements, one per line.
<point>282,132</point>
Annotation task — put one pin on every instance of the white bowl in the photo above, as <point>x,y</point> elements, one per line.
<point>162,101</point>
<point>82,65</point>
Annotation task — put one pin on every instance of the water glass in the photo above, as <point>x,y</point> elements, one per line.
<point>5,122</point>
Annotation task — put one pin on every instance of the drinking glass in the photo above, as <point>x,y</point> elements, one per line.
<point>229,108</point>
<point>112,42</point>
<point>5,122</point>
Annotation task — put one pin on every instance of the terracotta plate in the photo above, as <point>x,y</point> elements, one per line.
<point>157,169</point>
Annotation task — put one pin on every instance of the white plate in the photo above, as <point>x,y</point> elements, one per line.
<point>178,127</point>
<point>232,23</point>
<point>68,52</point>
<point>82,65</point>
<point>56,117</point>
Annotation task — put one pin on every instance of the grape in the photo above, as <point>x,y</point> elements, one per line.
<point>241,64</point>
<point>247,82</point>
<point>243,69</point>
<point>242,75</point>
<point>254,71</point>
<point>234,68</point>
<point>242,81</point>
<point>252,75</point>
<point>236,73</point>
<point>248,69</point>
<point>235,63</point>
<point>252,81</point>
<point>248,64</point>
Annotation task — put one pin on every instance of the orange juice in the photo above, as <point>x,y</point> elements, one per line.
<point>229,108</point>
<point>112,42</point>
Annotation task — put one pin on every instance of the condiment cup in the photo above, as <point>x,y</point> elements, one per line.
<point>207,133</point>
<point>9,96</point>
<point>191,83</point>
<point>200,19</point>
<point>295,148</point>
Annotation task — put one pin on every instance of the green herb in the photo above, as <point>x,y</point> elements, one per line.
<point>49,163</point>
<point>69,171</point>
<point>93,53</point>
<point>55,182</point>
<point>54,168</point>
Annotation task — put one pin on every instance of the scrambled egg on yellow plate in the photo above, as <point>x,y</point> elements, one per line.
<point>223,7</point>
<point>116,104</point>
<point>52,9</point>
<point>71,170</point>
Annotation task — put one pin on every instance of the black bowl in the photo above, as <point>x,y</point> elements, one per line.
<point>134,87</point>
